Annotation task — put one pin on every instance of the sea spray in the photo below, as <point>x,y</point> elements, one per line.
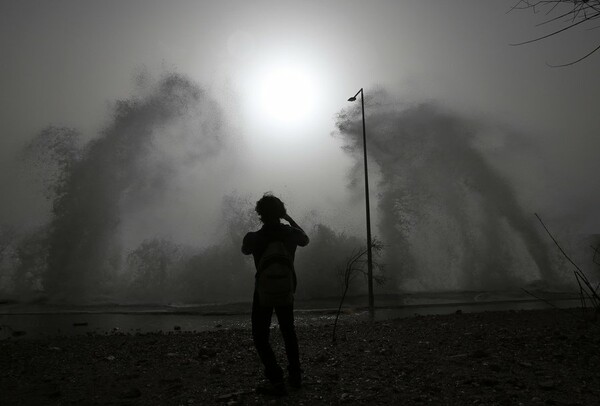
<point>86,213</point>
<point>120,224</point>
<point>449,219</point>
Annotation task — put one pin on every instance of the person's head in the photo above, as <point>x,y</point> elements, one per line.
<point>270,209</point>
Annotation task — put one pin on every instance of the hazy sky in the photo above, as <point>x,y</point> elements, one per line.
<point>65,62</point>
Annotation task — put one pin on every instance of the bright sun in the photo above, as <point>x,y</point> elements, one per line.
<point>286,94</point>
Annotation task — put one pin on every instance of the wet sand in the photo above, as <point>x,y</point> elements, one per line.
<point>533,357</point>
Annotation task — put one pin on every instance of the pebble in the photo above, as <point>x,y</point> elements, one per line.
<point>510,374</point>
<point>346,397</point>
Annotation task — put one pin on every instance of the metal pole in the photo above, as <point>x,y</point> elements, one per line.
<point>368,209</point>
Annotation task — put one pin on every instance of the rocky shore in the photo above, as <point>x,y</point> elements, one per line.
<point>495,358</point>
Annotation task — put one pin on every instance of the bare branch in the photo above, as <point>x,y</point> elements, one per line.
<point>579,12</point>
<point>553,33</point>
<point>591,293</point>
<point>355,265</point>
<point>578,60</point>
<point>554,19</point>
<point>549,303</point>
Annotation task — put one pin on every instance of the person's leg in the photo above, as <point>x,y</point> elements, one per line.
<point>285,316</point>
<point>261,323</point>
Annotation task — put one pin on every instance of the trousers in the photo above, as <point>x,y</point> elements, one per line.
<point>261,327</point>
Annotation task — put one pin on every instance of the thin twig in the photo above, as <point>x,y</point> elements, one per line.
<point>355,265</point>
<point>582,275</point>
<point>556,242</point>
<point>581,296</point>
<point>579,274</point>
<point>578,60</point>
<point>551,304</point>
<point>580,12</point>
<point>553,33</point>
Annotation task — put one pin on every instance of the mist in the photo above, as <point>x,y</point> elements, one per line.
<point>149,210</point>
<point>451,219</point>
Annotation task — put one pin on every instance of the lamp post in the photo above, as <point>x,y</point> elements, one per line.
<point>369,252</point>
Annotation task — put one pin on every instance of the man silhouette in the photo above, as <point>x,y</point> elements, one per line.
<point>271,210</point>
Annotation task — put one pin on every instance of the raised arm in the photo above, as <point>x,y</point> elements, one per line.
<point>301,237</point>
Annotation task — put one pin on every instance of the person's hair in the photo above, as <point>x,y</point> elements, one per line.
<point>270,208</point>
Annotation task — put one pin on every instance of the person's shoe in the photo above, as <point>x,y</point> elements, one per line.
<point>272,389</point>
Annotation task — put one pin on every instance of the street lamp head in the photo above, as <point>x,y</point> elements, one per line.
<point>352,99</point>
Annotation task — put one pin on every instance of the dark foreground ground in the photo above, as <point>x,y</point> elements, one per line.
<point>496,358</point>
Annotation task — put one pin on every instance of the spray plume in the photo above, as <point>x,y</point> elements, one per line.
<point>448,218</point>
<point>86,209</point>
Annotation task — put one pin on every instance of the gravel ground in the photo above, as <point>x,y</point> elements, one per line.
<point>493,358</point>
